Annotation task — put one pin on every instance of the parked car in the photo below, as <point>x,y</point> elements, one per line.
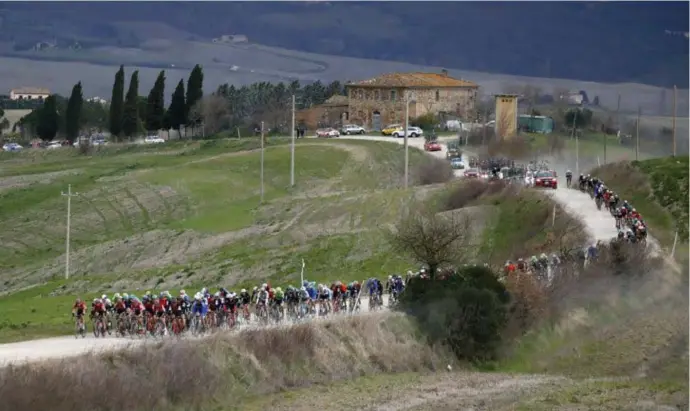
<point>472,173</point>
<point>432,146</point>
<point>54,144</point>
<point>153,140</point>
<point>327,132</point>
<point>12,147</point>
<point>457,164</point>
<point>352,129</point>
<point>411,132</point>
<point>390,129</point>
<point>546,178</point>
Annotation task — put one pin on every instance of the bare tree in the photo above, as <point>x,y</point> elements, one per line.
<point>434,239</point>
<point>213,111</point>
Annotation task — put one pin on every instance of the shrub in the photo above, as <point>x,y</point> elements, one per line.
<point>432,170</point>
<point>465,312</point>
<point>465,193</point>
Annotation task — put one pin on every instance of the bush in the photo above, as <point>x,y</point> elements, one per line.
<point>465,193</point>
<point>466,311</point>
<point>433,171</point>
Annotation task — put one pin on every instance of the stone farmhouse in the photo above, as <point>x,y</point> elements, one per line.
<point>380,101</point>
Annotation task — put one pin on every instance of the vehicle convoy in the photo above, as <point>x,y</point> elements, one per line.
<point>351,129</point>
<point>411,132</point>
<point>432,145</point>
<point>327,132</point>
<point>546,178</point>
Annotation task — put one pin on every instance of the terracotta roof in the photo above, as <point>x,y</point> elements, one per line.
<point>30,90</point>
<point>414,80</point>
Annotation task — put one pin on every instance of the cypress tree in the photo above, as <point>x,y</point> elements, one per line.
<point>130,117</point>
<point>48,119</point>
<point>73,113</point>
<point>155,109</point>
<point>177,113</point>
<point>116,103</point>
<point>195,89</point>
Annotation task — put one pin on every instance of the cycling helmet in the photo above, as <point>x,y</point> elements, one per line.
<point>264,286</point>
<point>148,293</point>
<point>97,301</point>
<point>243,291</point>
<point>303,288</point>
<point>279,289</point>
<point>125,296</point>
<point>77,301</point>
<point>198,296</point>
<point>217,294</point>
<point>256,288</point>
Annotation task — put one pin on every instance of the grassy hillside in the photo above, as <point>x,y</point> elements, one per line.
<point>188,216</point>
<point>658,188</point>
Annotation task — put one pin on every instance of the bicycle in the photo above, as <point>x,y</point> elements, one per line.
<point>80,327</point>
<point>99,327</point>
<point>160,329</point>
<point>177,326</point>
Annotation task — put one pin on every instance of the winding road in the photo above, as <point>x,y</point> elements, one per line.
<point>599,224</point>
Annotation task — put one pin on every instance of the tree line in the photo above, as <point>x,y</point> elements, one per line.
<point>129,114</point>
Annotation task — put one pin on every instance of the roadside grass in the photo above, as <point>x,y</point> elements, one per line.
<point>524,225</point>
<point>232,367</point>
<point>608,395</point>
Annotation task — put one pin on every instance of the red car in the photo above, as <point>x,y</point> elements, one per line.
<point>472,173</point>
<point>432,146</point>
<point>546,178</point>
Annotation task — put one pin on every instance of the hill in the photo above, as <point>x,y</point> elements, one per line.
<point>554,42</point>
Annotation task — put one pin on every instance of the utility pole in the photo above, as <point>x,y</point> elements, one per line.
<point>262,163</point>
<point>292,146</point>
<point>407,119</point>
<point>673,127</point>
<point>637,134</point>
<point>69,194</point>
<point>577,144</point>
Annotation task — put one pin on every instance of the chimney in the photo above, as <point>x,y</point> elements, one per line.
<point>444,72</point>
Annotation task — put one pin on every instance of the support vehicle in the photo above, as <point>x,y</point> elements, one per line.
<point>546,178</point>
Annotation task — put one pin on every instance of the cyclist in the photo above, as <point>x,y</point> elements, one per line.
<point>98,309</point>
<point>200,306</point>
<point>78,310</point>
<point>159,310</point>
<point>568,177</point>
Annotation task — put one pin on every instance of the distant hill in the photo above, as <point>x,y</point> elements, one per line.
<point>642,42</point>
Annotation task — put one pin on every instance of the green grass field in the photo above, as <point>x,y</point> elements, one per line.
<point>188,215</point>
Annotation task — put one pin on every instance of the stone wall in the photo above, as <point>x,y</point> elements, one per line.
<point>364,102</point>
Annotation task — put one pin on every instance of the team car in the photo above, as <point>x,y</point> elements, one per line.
<point>546,178</point>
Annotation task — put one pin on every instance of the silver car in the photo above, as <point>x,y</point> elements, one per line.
<point>352,129</point>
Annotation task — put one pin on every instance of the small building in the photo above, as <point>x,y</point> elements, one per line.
<point>332,113</point>
<point>29,93</point>
<point>380,101</point>
<point>506,124</point>
<point>536,124</point>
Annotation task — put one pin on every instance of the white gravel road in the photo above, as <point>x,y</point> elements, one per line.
<point>60,347</point>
